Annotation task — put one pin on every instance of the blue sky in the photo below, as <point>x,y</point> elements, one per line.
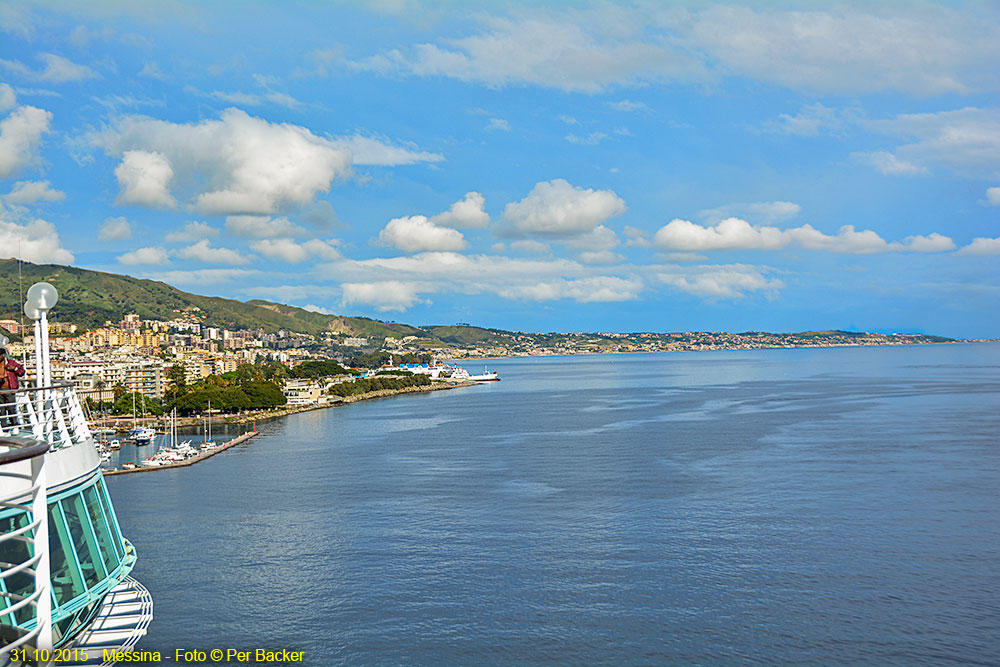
<point>536,166</point>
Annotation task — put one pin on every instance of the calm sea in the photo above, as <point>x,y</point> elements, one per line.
<point>808,507</point>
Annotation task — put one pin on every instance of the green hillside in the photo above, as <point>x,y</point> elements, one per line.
<point>89,298</point>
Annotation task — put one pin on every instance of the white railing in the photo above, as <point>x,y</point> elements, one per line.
<point>50,414</point>
<point>17,452</point>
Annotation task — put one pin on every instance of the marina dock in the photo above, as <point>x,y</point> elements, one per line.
<point>188,462</point>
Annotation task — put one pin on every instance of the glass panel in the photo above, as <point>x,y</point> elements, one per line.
<point>87,553</point>
<point>100,529</point>
<point>66,582</point>
<point>116,537</point>
<point>13,552</point>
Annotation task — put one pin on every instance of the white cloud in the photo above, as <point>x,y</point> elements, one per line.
<point>737,234</point>
<point>152,70</point>
<point>924,50</point>
<point>192,231</point>
<point>933,242</point>
<point>556,208</point>
<point>203,251</point>
<point>967,141</point>
<point>36,240</point>
<point>591,139</point>
<point>144,180</point>
<point>498,124</point>
<point>889,164</point>
<point>628,105</point>
<point>115,229</point>
<point>29,192</point>
<point>295,253</point>
<point>56,69</point>
<point>981,246</point>
<point>369,151</point>
<point>812,120</point>
<point>145,256</point>
<point>600,238</point>
<point>731,281</point>
<point>8,100</point>
<point>600,289</point>
<point>312,308</point>
<point>919,49</point>
<point>528,245</point>
<point>236,165</point>
<point>384,295</point>
<point>467,213</point>
<point>417,233</point>
<point>20,135</point>
<point>636,237</point>
<point>262,226</point>
<point>766,211</point>
<point>584,51</point>
<point>534,279</point>
<point>600,257</point>
<point>993,196</point>
<point>202,277</point>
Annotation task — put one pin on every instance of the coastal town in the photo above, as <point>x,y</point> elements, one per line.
<point>147,356</point>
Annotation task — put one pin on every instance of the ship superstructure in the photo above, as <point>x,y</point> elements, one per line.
<point>65,590</point>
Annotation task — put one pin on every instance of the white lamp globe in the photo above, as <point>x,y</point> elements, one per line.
<point>42,296</point>
<point>31,311</point>
<point>4,340</point>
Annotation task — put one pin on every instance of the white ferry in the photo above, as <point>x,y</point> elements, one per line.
<point>65,590</point>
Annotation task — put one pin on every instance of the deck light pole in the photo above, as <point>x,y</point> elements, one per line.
<point>41,298</point>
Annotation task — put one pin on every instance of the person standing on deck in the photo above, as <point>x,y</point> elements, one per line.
<point>9,373</point>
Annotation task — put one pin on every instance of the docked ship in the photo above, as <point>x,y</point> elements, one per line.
<point>65,591</point>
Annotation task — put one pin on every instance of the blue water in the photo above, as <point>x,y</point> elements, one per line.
<point>809,507</point>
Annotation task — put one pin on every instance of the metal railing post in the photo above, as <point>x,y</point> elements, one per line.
<point>40,512</point>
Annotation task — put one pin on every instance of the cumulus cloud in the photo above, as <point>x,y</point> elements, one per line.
<point>889,164</point>
<point>384,295</point>
<point>20,135</point>
<point>235,165</point>
<point>557,209</point>
<point>602,257</point>
<point>636,237</point>
<point>294,253</point>
<point>262,226</point>
<point>144,180</point>
<point>55,69</point>
<point>993,196</point>
<point>737,234</point>
<point>467,213</point>
<point>981,246</point>
<point>145,256</point>
<point>417,233</point>
<point>30,192</point>
<point>203,251</point>
<point>192,231</point>
<point>8,100</point>
<point>36,240</point>
<point>115,229</point>
<point>733,281</point>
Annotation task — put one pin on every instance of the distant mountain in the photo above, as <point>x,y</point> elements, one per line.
<point>90,298</point>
